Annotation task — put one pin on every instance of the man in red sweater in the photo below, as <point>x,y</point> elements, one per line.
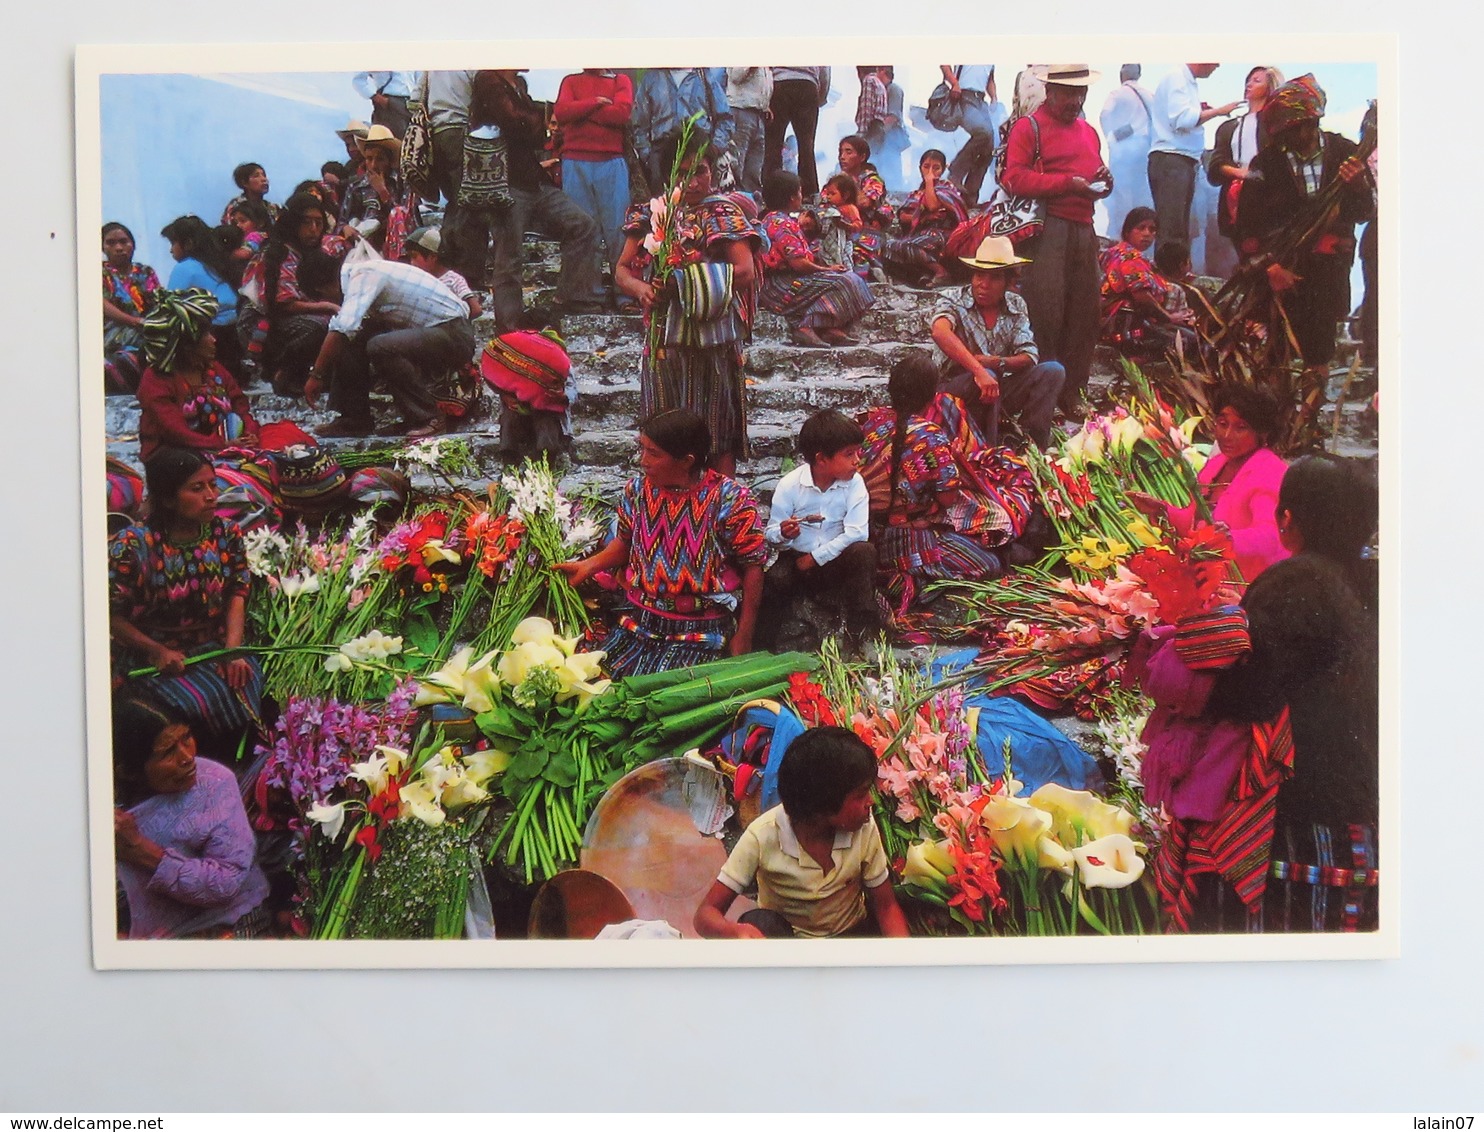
<point>592,108</point>
<point>1061,284</point>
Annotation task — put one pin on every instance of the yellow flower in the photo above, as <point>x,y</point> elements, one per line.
<point>928,865</point>
<point>481,685</point>
<point>418,801</point>
<point>447,684</point>
<point>1015,826</point>
<point>1079,815</point>
<point>1143,533</point>
<point>481,766</point>
<point>1127,431</point>
<point>1050,854</point>
<point>434,552</point>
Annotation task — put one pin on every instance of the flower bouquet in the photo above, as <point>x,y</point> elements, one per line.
<point>527,700</point>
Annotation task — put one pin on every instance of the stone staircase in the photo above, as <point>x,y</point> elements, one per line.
<point>785,383</point>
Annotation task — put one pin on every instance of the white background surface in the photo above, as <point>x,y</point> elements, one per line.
<point>1403,1034</point>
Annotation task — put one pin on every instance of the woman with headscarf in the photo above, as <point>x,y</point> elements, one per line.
<point>855,162</point>
<point>1238,141</point>
<point>283,324</point>
<point>1300,164</point>
<point>177,587</point>
<point>129,290</point>
<point>187,398</point>
<point>930,521</point>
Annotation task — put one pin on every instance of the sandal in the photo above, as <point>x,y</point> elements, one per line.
<point>837,337</point>
<point>435,427</point>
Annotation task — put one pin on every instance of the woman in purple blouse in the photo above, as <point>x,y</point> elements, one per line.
<point>184,848</point>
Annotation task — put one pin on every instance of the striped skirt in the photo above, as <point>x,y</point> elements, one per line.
<point>708,382</point>
<point>816,301</point>
<point>916,253</point>
<point>644,641</point>
<point>201,697</point>
<point>910,556</point>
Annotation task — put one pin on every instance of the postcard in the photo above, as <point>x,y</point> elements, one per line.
<point>579,510</point>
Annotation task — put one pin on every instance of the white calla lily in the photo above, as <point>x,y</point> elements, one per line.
<point>537,630</point>
<point>520,660</point>
<point>1109,862</point>
<point>481,684</point>
<point>331,818</point>
<point>447,684</point>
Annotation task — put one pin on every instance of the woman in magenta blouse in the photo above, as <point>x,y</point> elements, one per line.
<point>1240,481</point>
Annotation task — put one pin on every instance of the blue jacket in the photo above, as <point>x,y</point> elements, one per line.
<point>660,106</point>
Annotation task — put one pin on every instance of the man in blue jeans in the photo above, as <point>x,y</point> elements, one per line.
<point>536,204</point>
<point>973,87</point>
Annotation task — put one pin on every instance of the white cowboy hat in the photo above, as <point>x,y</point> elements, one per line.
<point>356,129</point>
<point>1069,74</point>
<point>995,253</point>
<point>379,135</point>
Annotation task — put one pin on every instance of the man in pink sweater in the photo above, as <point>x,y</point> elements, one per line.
<point>592,108</point>
<point>1053,155</point>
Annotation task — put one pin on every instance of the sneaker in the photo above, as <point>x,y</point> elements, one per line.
<point>344,427</point>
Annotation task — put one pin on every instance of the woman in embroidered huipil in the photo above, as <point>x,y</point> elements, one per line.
<point>177,586</point>
<point>689,552</point>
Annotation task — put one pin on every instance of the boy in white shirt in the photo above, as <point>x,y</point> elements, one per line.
<point>819,518</point>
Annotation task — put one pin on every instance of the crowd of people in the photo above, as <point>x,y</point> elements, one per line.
<point>668,195</point>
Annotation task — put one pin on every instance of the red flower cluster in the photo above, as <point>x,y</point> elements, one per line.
<point>383,809</point>
<point>1076,491</point>
<point>492,540</point>
<point>976,876</point>
<point>430,527</point>
<point>1185,580</point>
<point>813,705</point>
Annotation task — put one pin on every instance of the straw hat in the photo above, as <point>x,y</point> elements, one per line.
<point>995,253</point>
<point>379,135</point>
<point>1069,74</point>
<point>356,129</point>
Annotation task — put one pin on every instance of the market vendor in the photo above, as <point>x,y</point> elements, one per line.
<point>177,587</point>
<point>1240,482</point>
<point>691,547</point>
<point>925,527</point>
<point>188,399</point>
<point>1292,844</point>
<point>184,847</point>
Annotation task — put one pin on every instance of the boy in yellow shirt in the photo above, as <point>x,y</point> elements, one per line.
<point>817,858</point>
